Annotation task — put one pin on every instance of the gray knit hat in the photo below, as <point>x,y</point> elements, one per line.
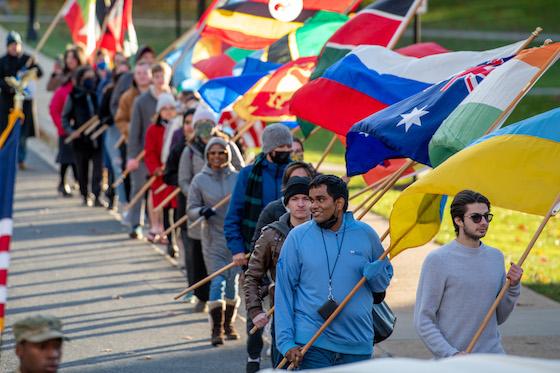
<point>13,37</point>
<point>165,99</point>
<point>275,135</point>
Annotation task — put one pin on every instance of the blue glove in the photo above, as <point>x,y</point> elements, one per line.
<point>378,275</point>
<point>207,212</point>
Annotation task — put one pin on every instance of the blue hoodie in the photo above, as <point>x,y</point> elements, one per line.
<point>272,190</point>
<point>302,287</point>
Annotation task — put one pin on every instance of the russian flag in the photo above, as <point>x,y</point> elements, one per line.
<point>373,77</point>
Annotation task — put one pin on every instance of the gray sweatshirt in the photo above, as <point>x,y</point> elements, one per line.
<point>457,286</point>
<point>143,111</point>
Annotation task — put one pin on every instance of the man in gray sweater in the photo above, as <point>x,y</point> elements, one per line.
<point>460,281</point>
<point>143,112</point>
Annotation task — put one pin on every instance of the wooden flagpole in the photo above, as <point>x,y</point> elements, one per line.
<point>313,131</point>
<point>126,172</point>
<point>167,199</point>
<point>99,132</point>
<point>91,128</point>
<point>491,312</point>
<point>184,218</point>
<point>93,121</point>
<point>268,314</point>
<point>328,149</point>
<point>207,279</point>
<point>369,187</point>
<point>120,141</point>
<point>161,188</point>
<point>48,33</point>
<point>140,193</point>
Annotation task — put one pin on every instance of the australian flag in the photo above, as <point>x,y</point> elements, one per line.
<point>8,161</point>
<point>404,130</point>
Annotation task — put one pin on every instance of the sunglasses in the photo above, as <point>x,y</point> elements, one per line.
<point>477,218</point>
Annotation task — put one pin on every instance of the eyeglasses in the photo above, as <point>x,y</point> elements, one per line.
<point>223,152</point>
<point>477,218</point>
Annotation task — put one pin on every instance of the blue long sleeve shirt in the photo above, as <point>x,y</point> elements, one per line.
<point>302,286</point>
<point>272,190</point>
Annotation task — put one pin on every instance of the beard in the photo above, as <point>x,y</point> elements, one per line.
<point>473,234</point>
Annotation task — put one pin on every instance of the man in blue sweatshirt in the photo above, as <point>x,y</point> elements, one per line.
<point>257,185</point>
<point>321,261</point>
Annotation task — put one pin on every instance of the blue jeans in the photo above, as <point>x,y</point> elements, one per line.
<point>111,136</point>
<point>225,286</point>
<point>317,357</point>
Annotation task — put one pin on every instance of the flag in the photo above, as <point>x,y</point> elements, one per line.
<point>120,35</point>
<point>516,167</point>
<point>221,92</point>
<point>251,137</point>
<point>406,128</point>
<point>373,77</point>
<point>220,65</point>
<point>308,40</point>
<point>478,112</point>
<point>249,24</point>
<point>80,16</point>
<point>381,23</point>
<point>8,160</point>
<point>268,100</point>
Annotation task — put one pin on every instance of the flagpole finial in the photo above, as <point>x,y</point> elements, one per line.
<point>19,86</point>
<point>547,41</point>
<point>537,31</point>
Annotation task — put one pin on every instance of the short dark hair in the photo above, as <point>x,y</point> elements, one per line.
<point>336,187</point>
<point>294,166</point>
<point>460,202</point>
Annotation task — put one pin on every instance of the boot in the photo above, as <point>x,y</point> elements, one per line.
<point>217,322</point>
<point>64,190</point>
<point>229,318</point>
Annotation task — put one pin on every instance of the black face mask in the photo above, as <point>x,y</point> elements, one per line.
<point>280,157</point>
<point>89,84</point>
<point>330,222</point>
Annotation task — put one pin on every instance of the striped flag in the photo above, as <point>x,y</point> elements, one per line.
<point>249,24</point>
<point>252,137</point>
<point>474,116</point>
<point>8,160</point>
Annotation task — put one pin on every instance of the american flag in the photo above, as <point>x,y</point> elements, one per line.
<point>8,160</point>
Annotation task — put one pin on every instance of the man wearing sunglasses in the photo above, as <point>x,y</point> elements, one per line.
<point>460,281</point>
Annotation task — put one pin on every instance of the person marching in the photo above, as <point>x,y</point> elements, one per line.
<point>165,111</point>
<point>80,106</point>
<point>267,250</point>
<point>258,184</point>
<point>320,263</point>
<point>62,85</point>
<point>211,185</point>
<point>459,282</point>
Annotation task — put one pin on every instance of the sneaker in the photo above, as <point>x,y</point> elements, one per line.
<point>171,250</point>
<point>136,233</point>
<point>253,366</point>
<point>188,298</point>
<point>98,203</point>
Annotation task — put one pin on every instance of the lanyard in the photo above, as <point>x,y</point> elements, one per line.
<point>329,271</point>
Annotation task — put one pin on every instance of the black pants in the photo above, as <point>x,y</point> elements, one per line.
<point>254,342</point>
<point>194,264</point>
<point>83,158</point>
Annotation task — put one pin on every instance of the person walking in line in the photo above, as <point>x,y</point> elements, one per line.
<point>143,111</point>
<point>320,263</point>
<point>258,184</point>
<point>459,283</point>
<point>214,183</point>
<point>63,82</point>
<point>14,63</point>
<point>166,113</point>
<point>267,251</point>
<point>81,106</point>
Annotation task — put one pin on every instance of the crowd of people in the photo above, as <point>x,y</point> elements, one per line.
<point>287,228</point>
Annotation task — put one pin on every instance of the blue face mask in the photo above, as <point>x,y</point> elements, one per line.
<point>89,84</point>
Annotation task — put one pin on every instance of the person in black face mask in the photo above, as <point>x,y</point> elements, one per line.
<point>257,185</point>
<point>79,107</point>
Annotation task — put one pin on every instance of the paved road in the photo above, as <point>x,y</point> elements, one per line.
<point>113,294</point>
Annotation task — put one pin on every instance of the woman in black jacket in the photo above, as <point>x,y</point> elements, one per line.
<point>79,107</point>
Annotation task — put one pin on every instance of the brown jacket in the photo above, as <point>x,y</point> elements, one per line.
<point>263,260</point>
<point>124,112</point>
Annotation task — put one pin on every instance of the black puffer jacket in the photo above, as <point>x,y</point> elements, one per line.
<point>79,107</point>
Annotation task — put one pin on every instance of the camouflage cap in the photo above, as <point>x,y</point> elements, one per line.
<point>38,328</point>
